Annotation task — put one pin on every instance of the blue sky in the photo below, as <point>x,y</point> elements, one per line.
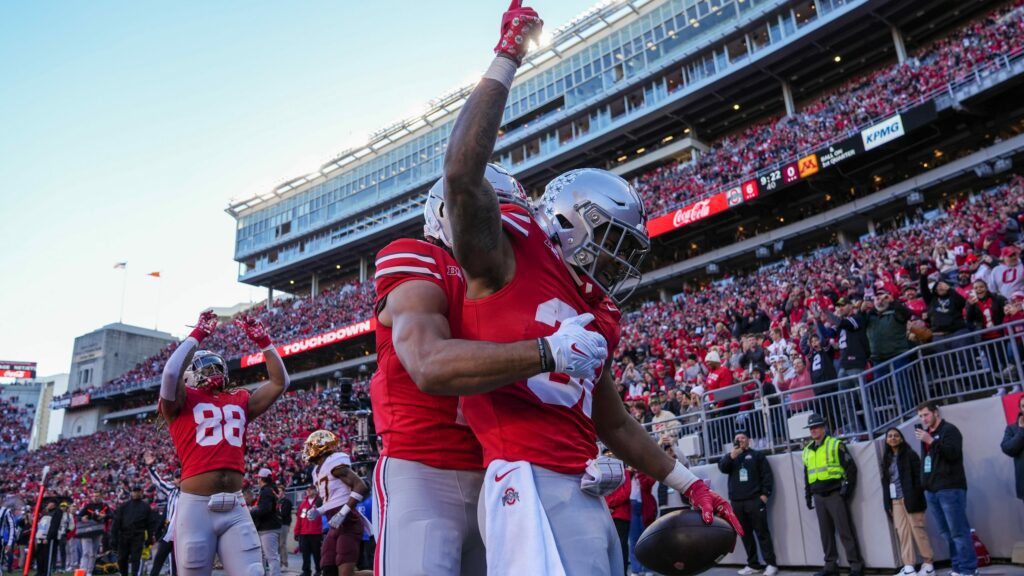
<point>126,127</point>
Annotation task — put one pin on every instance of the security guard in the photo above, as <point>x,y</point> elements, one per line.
<point>133,525</point>
<point>830,475</point>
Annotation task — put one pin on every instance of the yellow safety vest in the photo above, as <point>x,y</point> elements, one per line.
<point>822,463</point>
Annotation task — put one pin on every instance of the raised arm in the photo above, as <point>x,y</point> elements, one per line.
<point>172,381</point>
<point>478,242</point>
<point>267,394</point>
<point>415,310</point>
<point>630,442</point>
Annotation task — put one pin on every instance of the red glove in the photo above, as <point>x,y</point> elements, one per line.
<point>711,505</point>
<point>205,326</point>
<point>254,329</point>
<point>518,26</point>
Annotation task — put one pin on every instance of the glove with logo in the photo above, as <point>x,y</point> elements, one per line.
<point>576,351</point>
<point>312,514</point>
<point>602,476</point>
<point>711,505</point>
<point>254,329</point>
<point>205,326</point>
<point>518,26</point>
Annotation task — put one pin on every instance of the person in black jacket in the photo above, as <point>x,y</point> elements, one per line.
<point>268,522</point>
<point>945,484</point>
<point>946,310</point>
<point>134,524</point>
<point>91,527</point>
<point>1013,446</point>
<point>854,349</point>
<point>750,486</point>
<point>904,502</point>
<point>46,539</point>
<point>284,509</point>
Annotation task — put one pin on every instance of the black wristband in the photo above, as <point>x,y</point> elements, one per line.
<point>544,361</point>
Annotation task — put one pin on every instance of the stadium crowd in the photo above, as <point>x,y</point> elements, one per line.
<point>109,462</point>
<point>15,424</point>
<point>770,324</point>
<point>289,320</point>
<point>836,115</point>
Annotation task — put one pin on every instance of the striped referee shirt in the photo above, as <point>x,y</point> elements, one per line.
<point>8,529</point>
<point>169,491</point>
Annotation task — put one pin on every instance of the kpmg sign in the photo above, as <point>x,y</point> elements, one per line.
<point>882,133</point>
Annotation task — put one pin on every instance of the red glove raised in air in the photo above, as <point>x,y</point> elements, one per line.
<point>254,329</point>
<point>518,26</point>
<point>205,326</point>
<point>711,505</point>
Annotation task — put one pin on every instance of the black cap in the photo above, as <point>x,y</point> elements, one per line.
<point>814,420</point>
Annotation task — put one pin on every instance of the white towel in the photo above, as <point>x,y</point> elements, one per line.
<point>518,534</point>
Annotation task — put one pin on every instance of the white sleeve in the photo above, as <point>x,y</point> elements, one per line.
<point>172,369</point>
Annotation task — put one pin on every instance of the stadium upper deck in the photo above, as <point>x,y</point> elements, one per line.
<point>626,85</point>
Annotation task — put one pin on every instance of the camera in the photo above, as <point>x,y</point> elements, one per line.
<point>918,427</point>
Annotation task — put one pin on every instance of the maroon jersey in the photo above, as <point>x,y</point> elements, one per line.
<point>414,425</point>
<point>544,420</point>
<point>209,431</point>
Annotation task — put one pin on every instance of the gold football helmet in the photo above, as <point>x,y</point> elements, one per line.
<point>319,443</point>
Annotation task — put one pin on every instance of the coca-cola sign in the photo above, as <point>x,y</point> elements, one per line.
<point>318,341</point>
<point>688,214</point>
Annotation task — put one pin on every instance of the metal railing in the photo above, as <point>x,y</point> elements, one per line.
<point>860,406</point>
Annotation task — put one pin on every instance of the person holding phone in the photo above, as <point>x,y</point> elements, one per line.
<point>750,486</point>
<point>1013,446</point>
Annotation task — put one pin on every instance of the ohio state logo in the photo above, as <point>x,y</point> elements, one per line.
<point>510,497</point>
<point>691,213</point>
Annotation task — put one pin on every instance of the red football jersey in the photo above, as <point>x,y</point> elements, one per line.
<point>544,420</point>
<point>414,425</point>
<point>209,431</point>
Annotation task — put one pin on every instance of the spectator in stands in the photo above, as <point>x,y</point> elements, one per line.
<point>663,421</point>
<point>750,487</point>
<point>753,354</point>
<point>887,336</point>
<point>1013,446</point>
<point>822,367</point>
<point>830,476</point>
<point>905,504</point>
<point>854,346</point>
<point>985,309</point>
<point>1008,276</point>
<point>945,484</point>
<point>309,533</point>
<point>946,309</point>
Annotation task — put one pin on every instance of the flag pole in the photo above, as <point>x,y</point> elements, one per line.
<point>35,519</point>
<point>156,323</point>
<point>124,288</point>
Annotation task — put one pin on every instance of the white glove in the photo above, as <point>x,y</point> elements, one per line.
<point>312,514</point>
<point>338,518</point>
<point>602,476</point>
<point>576,351</point>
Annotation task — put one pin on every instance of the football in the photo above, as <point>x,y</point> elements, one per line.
<point>680,544</point>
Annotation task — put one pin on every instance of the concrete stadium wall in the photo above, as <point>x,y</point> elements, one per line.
<point>992,506</point>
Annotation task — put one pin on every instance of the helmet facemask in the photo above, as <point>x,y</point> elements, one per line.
<point>208,371</point>
<point>609,252</point>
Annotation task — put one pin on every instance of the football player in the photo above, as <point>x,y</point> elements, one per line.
<point>539,435</point>
<point>208,421</point>
<point>430,471</point>
<point>340,490</point>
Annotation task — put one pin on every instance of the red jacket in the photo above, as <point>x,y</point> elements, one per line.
<point>304,526</point>
<point>618,501</point>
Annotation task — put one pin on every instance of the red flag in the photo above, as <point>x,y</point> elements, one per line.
<point>154,274</point>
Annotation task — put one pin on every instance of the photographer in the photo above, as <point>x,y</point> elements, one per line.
<point>750,486</point>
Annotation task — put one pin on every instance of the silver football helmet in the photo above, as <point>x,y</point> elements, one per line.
<point>435,217</point>
<point>208,370</point>
<point>599,224</point>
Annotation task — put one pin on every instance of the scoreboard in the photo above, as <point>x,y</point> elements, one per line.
<point>16,369</point>
<point>778,177</point>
